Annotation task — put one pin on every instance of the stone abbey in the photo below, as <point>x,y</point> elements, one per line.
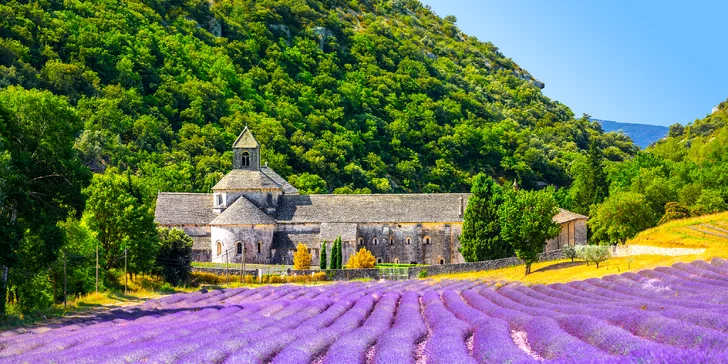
<point>254,211</point>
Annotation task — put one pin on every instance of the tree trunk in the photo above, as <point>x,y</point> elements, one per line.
<point>3,288</point>
<point>528,268</point>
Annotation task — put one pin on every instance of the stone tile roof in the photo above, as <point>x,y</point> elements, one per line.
<point>287,187</point>
<point>242,212</point>
<point>245,140</point>
<point>244,179</point>
<point>566,216</point>
<point>175,208</point>
<point>440,207</point>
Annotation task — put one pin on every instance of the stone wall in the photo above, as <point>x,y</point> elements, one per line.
<point>628,250</point>
<point>412,272</point>
<point>250,235</point>
<point>201,255</point>
<point>342,274</point>
<point>434,270</point>
<point>409,243</point>
<point>234,271</point>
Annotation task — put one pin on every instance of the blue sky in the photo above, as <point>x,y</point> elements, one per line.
<point>643,62</point>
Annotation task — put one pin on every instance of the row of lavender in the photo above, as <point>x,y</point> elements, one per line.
<point>671,314</point>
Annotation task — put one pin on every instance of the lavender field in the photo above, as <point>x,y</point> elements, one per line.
<point>675,314</point>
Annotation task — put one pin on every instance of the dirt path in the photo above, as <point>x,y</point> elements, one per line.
<point>78,316</point>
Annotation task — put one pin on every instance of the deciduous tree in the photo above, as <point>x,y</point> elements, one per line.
<point>301,258</point>
<point>361,259</point>
<point>174,258</point>
<point>527,222</point>
<point>620,217</point>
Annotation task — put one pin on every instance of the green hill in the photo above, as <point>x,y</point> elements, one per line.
<point>344,96</point>
<point>682,175</point>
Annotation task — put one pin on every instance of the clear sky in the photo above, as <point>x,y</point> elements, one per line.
<point>648,62</point>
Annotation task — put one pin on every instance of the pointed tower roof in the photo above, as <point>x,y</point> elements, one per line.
<point>245,140</point>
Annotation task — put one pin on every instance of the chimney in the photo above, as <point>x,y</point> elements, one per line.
<point>460,208</point>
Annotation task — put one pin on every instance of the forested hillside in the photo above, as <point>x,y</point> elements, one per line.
<point>683,175</point>
<point>345,96</point>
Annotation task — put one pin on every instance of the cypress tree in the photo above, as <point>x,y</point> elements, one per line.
<point>481,238</point>
<point>322,258</point>
<point>336,256</point>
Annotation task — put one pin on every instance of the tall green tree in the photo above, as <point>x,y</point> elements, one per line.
<point>620,217</point>
<point>41,177</point>
<point>116,211</point>
<point>322,257</point>
<point>527,222</point>
<point>481,239</point>
<point>174,258</point>
<point>336,257</point>
<point>592,180</point>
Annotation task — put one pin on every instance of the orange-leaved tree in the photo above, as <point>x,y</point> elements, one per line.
<point>362,259</point>
<point>301,258</point>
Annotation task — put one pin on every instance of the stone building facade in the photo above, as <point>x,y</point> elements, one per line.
<point>255,212</point>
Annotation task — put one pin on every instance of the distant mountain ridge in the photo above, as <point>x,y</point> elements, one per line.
<point>641,134</point>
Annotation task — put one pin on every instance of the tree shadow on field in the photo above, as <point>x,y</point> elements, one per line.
<point>558,266</point>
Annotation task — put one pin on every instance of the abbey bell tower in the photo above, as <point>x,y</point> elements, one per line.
<point>246,152</point>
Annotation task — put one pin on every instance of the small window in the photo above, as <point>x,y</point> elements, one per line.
<point>218,199</point>
<point>260,247</point>
<point>391,240</point>
<point>219,248</point>
<point>360,241</point>
<point>270,199</point>
<point>239,246</point>
<point>442,261</point>
<point>408,240</point>
<point>375,241</point>
<point>379,260</point>
<point>245,159</point>
<point>426,240</point>
<point>396,260</point>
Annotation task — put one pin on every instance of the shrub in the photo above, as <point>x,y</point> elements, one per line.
<point>362,259</point>
<point>593,253</point>
<point>423,273</point>
<point>301,258</point>
<point>174,258</point>
<point>570,252</point>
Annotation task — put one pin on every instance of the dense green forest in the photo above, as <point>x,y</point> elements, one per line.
<point>380,96</point>
<point>345,96</point>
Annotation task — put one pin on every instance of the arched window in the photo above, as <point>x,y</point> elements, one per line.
<point>245,158</point>
<point>391,240</point>
<point>239,247</point>
<point>408,240</point>
<point>396,260</point>
<point>260,247</point>
<point>379,260</point>
<point>442,261</point>
<point>375,241</point>
<point>426,240</point>
<point>219,248</point>
<point>360,241</point>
